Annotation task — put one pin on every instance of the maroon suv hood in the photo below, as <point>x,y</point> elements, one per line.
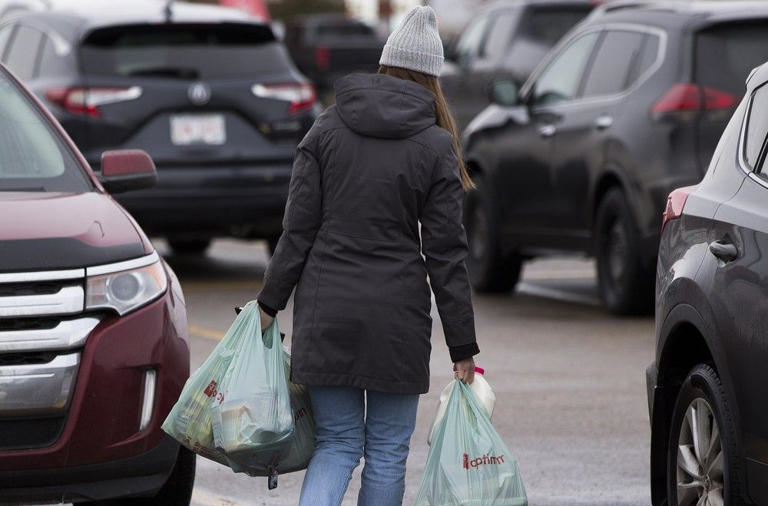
<point>42,231</point>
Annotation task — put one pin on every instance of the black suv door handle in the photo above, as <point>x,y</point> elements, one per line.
<point>603,122</point>
<point>723,250</point>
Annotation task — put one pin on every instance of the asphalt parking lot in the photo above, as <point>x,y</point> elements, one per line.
<point>569,380</point>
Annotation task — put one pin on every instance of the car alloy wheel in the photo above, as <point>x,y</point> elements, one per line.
<point>617,251</point>
<point>699,458</point>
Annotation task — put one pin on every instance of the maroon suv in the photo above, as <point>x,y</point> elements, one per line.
<point>93,328</point>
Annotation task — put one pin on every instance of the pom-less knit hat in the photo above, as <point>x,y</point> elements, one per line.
<point>415,44</point>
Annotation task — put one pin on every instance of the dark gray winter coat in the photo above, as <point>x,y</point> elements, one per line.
<point>371,168</point>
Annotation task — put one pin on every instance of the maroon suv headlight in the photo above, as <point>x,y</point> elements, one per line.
<point>125,286</point>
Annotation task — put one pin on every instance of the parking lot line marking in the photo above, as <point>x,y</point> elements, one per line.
<point>556,294</point>
<point>206,333</point>
<point>205,498</point>
<point>565,274</point>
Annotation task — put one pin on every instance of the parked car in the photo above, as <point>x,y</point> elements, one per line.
<point>93,329</point>
<point>708,386</point>
<point>507,39</point>
<point>207,91</point>
<point>328,46</point>
<point>629,106</point>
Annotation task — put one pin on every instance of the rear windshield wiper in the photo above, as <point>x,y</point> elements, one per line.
<point>177,72</point>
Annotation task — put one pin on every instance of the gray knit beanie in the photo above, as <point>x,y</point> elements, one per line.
<point>415,44</point>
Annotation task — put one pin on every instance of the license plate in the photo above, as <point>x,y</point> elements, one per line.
<point>189,129</point>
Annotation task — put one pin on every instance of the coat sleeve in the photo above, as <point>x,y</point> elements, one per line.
<point>444,245</point>
<point>301,221</point>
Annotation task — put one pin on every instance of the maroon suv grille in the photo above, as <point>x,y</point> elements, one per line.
<point>26,433</point>
<point>26,358</point>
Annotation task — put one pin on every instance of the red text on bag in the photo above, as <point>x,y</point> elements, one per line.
<point>482,461</point>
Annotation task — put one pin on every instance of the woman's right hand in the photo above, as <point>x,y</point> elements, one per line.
<point>465,370</point>
<point>266,320</point>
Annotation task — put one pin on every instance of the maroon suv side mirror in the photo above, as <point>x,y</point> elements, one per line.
<point>127,169</point>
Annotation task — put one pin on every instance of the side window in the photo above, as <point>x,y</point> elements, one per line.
<point>618,54</point>
<point>5,37</point>
<point>757,127</point>
<point>52,62</point>
<point>22,55</point>
<point>500,35</point>
<point>468,46</point>
<point>560,80</point>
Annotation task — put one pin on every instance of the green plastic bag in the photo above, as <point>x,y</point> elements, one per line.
<point>468,464</point>
<point>190,420</point>
<point>253,409</point>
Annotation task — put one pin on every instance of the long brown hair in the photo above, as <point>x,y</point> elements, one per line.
<point>444,117</point>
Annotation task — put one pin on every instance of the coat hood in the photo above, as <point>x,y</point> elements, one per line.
<point>378,105</point>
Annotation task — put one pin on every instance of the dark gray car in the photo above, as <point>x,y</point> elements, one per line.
<point>626,108</point>
<point>207,92</point>
<point>507,39</point>
<point>708,387</point>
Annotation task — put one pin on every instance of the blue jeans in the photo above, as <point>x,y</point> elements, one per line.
<point>346,431</point>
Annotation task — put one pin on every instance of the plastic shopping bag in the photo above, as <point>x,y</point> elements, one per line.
<point>252,413</point>
<point>190,422</point>
<point>468,464</point>
<point>302,446</point>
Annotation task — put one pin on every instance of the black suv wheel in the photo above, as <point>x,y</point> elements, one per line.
<point>701,460</point>
<point>177,490</point>
<point>189,246</point>
<point>626,286</point>
<point>489,269</point>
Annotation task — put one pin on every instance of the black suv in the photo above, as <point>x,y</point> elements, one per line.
<point>708,387</point>
<point>326,47</point>
<point>507,39</point>
<point>206,91</point>
<point>627,107</point>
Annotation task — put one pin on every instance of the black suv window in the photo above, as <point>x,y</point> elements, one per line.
<point>559,82</point>
<point>500,34</point>
<point>22,54</point>
<point>757,127</point>
<point>613,68</point>
<point>726,53</point>
<point>471,40</point>
<point>547,25</point>
<point>32,155</point>
<point>194,51</point>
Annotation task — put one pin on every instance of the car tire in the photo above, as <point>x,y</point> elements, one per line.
<point>626,285</point>
<point>177,490</point>
<point>701,409</point>
<point>189,246</point>
<point>490,271</point>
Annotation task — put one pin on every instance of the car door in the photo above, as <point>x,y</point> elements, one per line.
<point>584,132</point>
<point>525,149</point>
<point>738,255</point>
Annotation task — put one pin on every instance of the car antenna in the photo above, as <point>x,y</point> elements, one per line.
<point>168,11</point>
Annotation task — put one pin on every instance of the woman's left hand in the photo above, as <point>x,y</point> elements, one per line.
<point>266,320</point>
<point>465,370</point>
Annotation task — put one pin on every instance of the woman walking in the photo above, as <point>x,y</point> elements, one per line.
<point>382,161</point>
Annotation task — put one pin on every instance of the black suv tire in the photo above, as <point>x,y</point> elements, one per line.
<point>490,270</point>
<point>189,246</point>
<point>626,286</point>
<point>702,397</point>
<point>177,490</point>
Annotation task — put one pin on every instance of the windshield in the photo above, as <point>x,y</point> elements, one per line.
<point>184,51</point>
<point>32,156</point>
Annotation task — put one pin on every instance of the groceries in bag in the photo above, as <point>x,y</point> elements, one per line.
<point>468,464</point>
<point>480,388</point>
<point>217,417</point>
